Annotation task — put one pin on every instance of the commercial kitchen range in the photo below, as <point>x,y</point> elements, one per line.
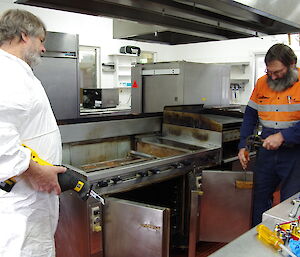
<point>150,172</point>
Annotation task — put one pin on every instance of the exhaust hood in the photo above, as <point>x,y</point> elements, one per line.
<point>187,21</point>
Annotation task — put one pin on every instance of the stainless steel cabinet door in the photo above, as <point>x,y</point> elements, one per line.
<point>162,90</point>
<point>133,229</point>
<point>225,210</point>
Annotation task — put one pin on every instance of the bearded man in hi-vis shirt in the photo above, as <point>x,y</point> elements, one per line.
<point>275,103</point>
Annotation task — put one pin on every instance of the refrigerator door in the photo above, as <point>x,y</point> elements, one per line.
<point>134,229</point>
<point>225,208</point>
<point>59,78</point>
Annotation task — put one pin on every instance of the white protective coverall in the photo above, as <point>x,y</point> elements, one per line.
<point>28,218</point>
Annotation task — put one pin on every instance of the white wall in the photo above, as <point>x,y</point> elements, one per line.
<point>92,31</point>
<point>97,31</point>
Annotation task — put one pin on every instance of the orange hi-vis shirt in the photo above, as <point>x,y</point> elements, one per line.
<point>276,110</point>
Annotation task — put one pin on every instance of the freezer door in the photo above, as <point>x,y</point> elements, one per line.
<point>59,78</point>
<point>225,209</point>
<point>134,229</point>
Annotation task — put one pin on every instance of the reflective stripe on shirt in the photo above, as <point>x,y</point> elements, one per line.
<point>276,109</point>
<point>279,108</point>
<point>252,104</point>
<point>277,124</point>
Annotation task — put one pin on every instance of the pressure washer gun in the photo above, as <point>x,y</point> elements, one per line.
<point>67,180</point>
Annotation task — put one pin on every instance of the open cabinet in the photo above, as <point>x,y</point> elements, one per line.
<point>135,229</point>
<point>225,209</point>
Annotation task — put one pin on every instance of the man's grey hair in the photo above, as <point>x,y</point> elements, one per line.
<point>14,22</point>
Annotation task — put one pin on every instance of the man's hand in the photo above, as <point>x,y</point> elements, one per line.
<point>244,158</point>
<point>273,142</point>
<point>43,178</point>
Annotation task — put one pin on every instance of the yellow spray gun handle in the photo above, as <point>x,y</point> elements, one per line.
<point>36,158</point>
<point>8,184</point>
<point>61,176</point>
<point>66,180</point>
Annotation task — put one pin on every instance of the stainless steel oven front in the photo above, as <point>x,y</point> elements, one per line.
<point>150,188</point>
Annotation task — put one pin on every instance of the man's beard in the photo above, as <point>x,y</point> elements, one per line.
<point>32,57</point>
<point>284,83</point>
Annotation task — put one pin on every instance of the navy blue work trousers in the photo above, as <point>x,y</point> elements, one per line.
<point>275,168</point>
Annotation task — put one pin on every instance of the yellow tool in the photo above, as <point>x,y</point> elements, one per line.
<point>67,180</point>
<point>269,237</point>
<point>34,156</point>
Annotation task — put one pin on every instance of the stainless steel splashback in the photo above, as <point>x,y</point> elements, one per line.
<point>111,128</point>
